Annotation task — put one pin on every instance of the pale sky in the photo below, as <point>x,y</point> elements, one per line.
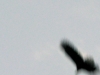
<point>31,32</point>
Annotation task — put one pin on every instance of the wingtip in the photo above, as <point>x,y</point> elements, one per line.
<point>64,43</point>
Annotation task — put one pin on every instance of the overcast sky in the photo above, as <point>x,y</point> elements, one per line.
<point>31,32</point>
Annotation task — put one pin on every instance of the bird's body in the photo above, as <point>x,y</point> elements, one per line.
<point>81,64</point>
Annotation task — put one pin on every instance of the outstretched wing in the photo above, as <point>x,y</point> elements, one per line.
<point>73,53</point>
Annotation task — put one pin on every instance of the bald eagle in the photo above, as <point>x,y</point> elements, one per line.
<point>81,63</point>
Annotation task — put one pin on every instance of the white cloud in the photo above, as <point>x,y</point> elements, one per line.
<point>42,52</point>
<point>40,55</point>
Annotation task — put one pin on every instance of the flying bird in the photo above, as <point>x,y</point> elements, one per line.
<point>81,63</point>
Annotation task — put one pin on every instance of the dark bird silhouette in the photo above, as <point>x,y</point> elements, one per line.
<point>86,64</point>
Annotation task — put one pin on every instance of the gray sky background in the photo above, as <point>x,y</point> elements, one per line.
<point>31,32</point>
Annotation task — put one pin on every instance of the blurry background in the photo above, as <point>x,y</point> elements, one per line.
<point>31,32</point>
